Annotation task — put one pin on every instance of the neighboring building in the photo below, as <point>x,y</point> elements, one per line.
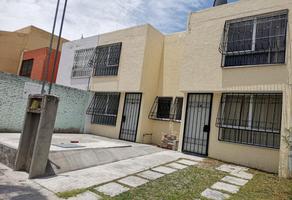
<point>223,86</point>
<point>74,71</point>
<point>34,64</point>
<point>14,44</point>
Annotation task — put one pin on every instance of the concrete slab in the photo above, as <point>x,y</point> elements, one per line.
<point>109,172</point>
<point>86,196</point>
<point>214,195</point>
<point>133,181</point>
<point>231,168</point>
<point>112,189</point>
<point>150,175</point>
<point>164,170</point>
<point>242,174</point>
<point>225,187</point>
<point>187,162</point>
<point>235,181</point>
<point>176,165</point>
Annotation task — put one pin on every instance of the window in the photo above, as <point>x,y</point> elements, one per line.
<point>104,108</point>
<point>26,68</point>
<point>81,68</point>
<point>161,108</point>
<point>253,119</point>
<point>255,40</point>
<point>177,109</point>
<point>107,58</point>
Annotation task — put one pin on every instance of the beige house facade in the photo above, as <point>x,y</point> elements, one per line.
<point>222,87</point>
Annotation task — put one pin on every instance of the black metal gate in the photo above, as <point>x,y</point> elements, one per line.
<point>130,116</point>
<point>197,124</point>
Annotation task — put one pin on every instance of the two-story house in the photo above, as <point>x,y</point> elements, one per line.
<point>223,86</point>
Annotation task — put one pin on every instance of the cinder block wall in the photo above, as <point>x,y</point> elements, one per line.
<point>13,99</point>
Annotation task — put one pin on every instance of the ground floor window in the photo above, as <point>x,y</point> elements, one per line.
<point>104,108</point>
<point>164,108</point>
<point>253,119</point>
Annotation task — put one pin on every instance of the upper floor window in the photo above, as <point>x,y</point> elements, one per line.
<point>165,109</point>
<point>107,59</point>
<point>26,68</point>
<point>255,40</point>
<point>104,108</point>
<point>81,67</point>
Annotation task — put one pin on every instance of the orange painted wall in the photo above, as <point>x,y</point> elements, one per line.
<point>39,57</point>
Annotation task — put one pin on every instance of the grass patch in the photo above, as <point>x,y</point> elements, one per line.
<point>182,185</point>
<point>264,187</point>
<point>71,193</point>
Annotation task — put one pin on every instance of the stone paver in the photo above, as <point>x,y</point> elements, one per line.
<point>86,196</point>
<point>151,175</point>
<point>187,162</point>
<point>235,181</point>
<point>176,166</point>
<point>109,172</point>
<point>164,170</point>
<point>112,189</point>
<point>231,168</point>
<point>242,174</point>
<point>225,187</point>
<point>214,195</point>
<point>133,181</point>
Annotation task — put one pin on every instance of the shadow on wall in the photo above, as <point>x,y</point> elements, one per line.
<point>14,91</point>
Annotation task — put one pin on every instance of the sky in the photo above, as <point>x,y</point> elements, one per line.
<point>93,17</point>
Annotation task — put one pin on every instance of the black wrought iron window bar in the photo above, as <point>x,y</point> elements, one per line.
<point>252,119</point>
<point>165,109</point>
<point>255,40</point>
<point>81,67</point>
<point>106,60</point>
<point>26,68</point>
<point>176,110</point>
<point>104,108</point>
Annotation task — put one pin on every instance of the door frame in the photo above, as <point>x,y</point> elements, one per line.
<point>209,121</point>
<point>138,117</point>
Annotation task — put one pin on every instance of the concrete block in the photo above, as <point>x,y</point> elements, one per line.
<point>241,174</point>
<point>225,187</point>
<point>86,196</point>
<point>133,181</point>
<point>214,195</point>
<point>235,181</point>
<point>187,162</point>
<point>112,189</point>
<point>164,170</point>
<point>151,175</point>
<point>231,168</point>
<point>176,166</point>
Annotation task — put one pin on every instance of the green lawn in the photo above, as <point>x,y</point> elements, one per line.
<point>187,184</point>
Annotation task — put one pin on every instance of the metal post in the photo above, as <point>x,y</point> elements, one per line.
<point>45,72</point>
<point>58,46</point>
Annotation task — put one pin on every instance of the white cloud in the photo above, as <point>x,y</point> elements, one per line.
<point>92,17</point>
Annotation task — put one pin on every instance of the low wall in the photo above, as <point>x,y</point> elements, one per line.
<point>14,91</point>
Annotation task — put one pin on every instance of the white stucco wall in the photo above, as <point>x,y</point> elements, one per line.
<point>67,59</point>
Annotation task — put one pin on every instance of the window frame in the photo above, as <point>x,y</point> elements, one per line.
<point>175,109</point>
<point>28,75</point>
<point>154,110</point>
<point>86,67</point>
<point>254,38</point>
<point>99,69</point>
<point>93,106</point>
<point>251,113</point>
